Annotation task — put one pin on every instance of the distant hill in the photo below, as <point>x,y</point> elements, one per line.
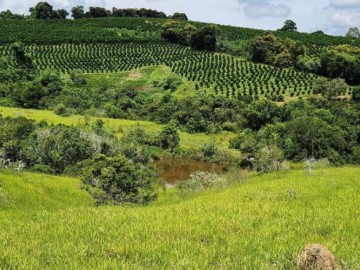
<point>107,30</point>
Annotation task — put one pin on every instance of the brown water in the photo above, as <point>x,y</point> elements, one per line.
<point>173,170</point>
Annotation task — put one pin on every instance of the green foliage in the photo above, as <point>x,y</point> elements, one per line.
<point>177,33</point>
<point>204,39</point>
<point>356,154</point>
<point>209,150</point>
<point>336,64</point>
<point>61,109</point>
<point>169,137</point>
<point>58,147</point>
<point>270,50</point>
<point>13,132</point>
<point>312,137</point>
<point>77,12</point>
<point>44,11</point>
<point>117,181</point>
<point>8,15</point>
<point>260,113</point>
<point>179,16</point>
<point>355,94</point>
<point>289,26</point>
<point>330,88</point>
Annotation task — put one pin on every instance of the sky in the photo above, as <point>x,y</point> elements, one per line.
<point>331,16</point>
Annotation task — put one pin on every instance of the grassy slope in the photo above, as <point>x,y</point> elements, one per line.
<point>255,225</point>
<point>28,191</point>
<point>142,79</point>
<point>118,125</point>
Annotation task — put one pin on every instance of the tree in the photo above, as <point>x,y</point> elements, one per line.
<point>179,16</point>
<point>32,94</point>
<point>329,89</point>
<point>260,113</point>
<point>263,48</point>
<point>21,57</point>
<point>289,26</point>
<point>175,32</point>
<point>42,11</point>
<point>57,147</point>
<point>312,137</point>
<point>77,12</point>
<point>204,39</point>
<point>60,14</point>
<point>353,32</point>
<point>98,12</point>
<point>9,15</point>
<point>117,180</point>
<point>169,137</point>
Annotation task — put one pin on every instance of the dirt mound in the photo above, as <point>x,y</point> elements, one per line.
<point>317,257</point>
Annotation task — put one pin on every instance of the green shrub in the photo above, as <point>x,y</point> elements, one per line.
<point>61,110</point>
<point>356,94</point>
<point>209,150</point>
<point>169,138</point>
<point>41,168</point>
<point>118,180</point>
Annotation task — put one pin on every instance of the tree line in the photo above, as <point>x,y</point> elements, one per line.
<point>45,11</point>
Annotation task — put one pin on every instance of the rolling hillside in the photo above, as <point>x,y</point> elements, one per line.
<point>262,223</point>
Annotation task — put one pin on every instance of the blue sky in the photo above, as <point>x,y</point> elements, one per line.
<point>331,16</point>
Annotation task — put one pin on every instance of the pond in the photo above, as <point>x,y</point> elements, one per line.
<point>173,170</point>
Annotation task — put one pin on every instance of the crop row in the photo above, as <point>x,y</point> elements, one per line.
<point>220,73</point>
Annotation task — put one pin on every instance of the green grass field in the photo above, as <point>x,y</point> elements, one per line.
<point>48,223</point>
<point>119,126</point>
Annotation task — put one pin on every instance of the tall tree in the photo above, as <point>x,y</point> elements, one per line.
<point>204,39</point>
<point>289,26</point>
<point>353,32</point>
<point>42,11</point>
<point>77,12</point>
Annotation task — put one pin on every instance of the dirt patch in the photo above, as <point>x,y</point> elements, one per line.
<point>317,257</point>
<point>134,75</point>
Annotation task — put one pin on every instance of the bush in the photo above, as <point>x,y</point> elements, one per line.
<point>209,150</point>
<point>269,158</point>
<point>200,181</point>
<point>62,110</point>
<point>57,147</point>
<point>42,169</point>
<point>118,180</point>
<point>169,138</point>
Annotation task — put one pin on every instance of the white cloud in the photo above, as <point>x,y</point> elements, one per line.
<point>345,3</point>
<point>267,10</point>
<point>343,18</point>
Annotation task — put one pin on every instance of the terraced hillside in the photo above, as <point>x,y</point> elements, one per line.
<point>217,73</point>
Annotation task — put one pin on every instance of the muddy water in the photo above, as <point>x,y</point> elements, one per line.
<point>174,170</point>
